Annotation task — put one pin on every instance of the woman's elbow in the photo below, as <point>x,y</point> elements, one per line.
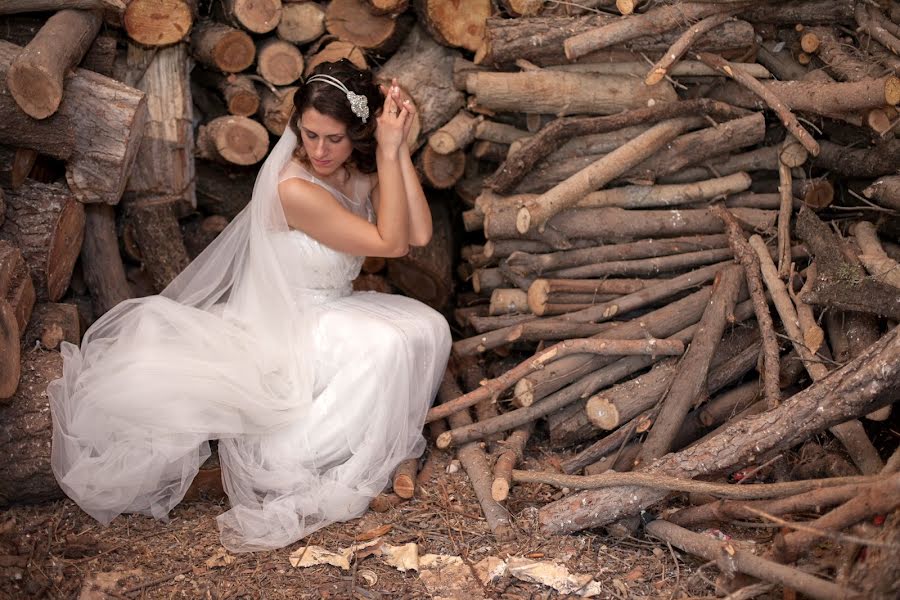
<point>398,251</point>
<point>421,240</point>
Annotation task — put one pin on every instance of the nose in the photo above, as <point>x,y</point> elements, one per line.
<point>320,149</point>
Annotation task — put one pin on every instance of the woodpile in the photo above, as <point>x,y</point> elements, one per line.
<point>666,233</point>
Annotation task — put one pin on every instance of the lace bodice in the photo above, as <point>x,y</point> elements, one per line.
<point>324,273</point>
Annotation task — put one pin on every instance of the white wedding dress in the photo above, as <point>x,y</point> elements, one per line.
<point>315,392</point>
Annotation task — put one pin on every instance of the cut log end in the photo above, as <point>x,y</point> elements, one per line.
<point>234,52</point>
<point>236,140</point>
<point>892,91</point>
<point>538,296</point>
<point>279,62</point>
<point>258,16</point>
<point>444,440</point>
<point>523,220</point>
<point>500,490</point>
<point>143,23</point>
<point>602,413</point>
<point>36,91</point>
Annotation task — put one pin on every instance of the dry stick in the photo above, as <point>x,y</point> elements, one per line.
<point>659,71</point>
<point>608,444</point>
<point>785,211</point>
<point>690,380</point>
<point>873,257</point>
<point>474,461</point>
<point>610,166</point>
<point>866,383</point>
<point>503,468</point>
<point>863,454</point>
<point>521,162</point>
<point>492,389</point>
<point>669,483</point>
<point>656,20</point>
<point>729,510</point>
<point>600,312</point>
<point>868,20</point>
<point>880,498</point>
<point>748,259</point>
<point>731,559</point>
<point>773,101</point>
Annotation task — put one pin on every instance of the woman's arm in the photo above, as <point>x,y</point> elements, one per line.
<point>312,209</point>
<point>420,224</point>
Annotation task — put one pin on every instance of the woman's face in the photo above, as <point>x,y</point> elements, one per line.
<point>325,141</point>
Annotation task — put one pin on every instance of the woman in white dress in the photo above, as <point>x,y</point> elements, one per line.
<point>315,392</point>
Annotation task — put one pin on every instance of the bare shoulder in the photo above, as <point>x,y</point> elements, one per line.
<point>299,192</point>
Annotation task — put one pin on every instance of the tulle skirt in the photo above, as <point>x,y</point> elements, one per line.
<point>132,419</point>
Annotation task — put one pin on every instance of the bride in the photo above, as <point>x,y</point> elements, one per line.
<point>315,392</point>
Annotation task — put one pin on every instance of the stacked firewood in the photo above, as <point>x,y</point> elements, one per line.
<point>680,227</point>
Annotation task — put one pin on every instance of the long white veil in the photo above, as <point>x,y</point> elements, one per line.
<point>214,356</point>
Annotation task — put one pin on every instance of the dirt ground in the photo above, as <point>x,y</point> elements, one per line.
<point>58,551</point>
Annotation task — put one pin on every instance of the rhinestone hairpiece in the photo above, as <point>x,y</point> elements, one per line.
<point>359,104</point>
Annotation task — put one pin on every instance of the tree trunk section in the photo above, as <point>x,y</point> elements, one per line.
<point>279,62</point>
<point>104,273</point>
<point>222,47</point>
<point>35,77</point>
<point>144,26</point>
<point>301,22</point>
<point>455,24</point>
<point>354,22</point>
<point>47,224</point>
<point>426,272</point>
<point>16,286</point>
<point>233,140</point>
<point>257,16</point>
<point>25,432</point>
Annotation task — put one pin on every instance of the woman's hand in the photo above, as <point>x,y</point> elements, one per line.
<point>393,122</point>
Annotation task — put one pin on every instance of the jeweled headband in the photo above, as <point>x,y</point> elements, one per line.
<point>358,103</point>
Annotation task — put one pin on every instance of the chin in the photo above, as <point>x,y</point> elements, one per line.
<point>326,169</point>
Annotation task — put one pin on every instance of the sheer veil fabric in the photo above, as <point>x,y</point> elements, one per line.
<point>314,397</point>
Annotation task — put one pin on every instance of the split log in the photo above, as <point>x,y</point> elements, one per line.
<point>164,167</point>
<point>425,273</point>
<point>301,22</point>
<point>354,22</point>
<point>840,282</point>
<point>455,25</point>
<point>35,77</point>
<point>25,433</point>
<point>335,51</point>
<point>279,62</point>
<point>690,379</point>
<point>234,140</point>
<point>425,70</point>
<point>258,16</point>
<point>108,118</point>
<point>862,385</point>
<point>104,273</point>
<point>560,130</point>
<point>221,47</point>
<point>276,107</point>
<point>46,223</point>
<point>535,213</point>
<point>563,93</point>
<point>144,25</point>
<point>51,324</point>
<point>16,286</point>
<point>734,559</point>
<point>885,191</point>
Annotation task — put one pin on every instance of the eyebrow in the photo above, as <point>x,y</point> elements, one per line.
<point>308,130</point>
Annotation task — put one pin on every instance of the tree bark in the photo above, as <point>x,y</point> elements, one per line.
<point>104,273</point>
<point>868,382</point>
<point>426,272</point>
<point>222,47</point>
<point>16,286</point>
<point>47,224</point>
<point>25,433</point>
<point>563,93</point>
<point>51,324</point>
<point>35,77</point>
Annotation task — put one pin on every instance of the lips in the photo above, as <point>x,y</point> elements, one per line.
<point>321,163</point>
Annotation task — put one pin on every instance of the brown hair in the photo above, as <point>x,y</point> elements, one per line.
<point>332,102</point>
